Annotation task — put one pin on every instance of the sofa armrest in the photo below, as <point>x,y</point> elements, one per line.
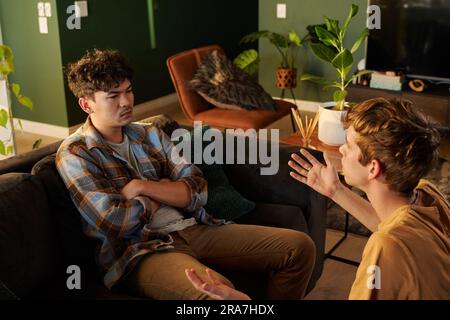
<point>279,188</point>
<point>25,161</point>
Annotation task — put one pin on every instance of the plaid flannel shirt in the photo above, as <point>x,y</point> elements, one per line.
<point>94,175</point>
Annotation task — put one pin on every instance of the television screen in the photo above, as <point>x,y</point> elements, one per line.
<point>414,38</point>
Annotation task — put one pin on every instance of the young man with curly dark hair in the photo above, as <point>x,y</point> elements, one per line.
<point>389,148</point>
<point>145,208</point>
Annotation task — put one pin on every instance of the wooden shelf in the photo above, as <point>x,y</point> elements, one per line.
<point>435,102</point>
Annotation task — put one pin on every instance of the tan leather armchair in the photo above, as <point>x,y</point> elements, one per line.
<point>182,67</point>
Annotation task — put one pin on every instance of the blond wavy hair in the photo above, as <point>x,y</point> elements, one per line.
<point>400,137</point>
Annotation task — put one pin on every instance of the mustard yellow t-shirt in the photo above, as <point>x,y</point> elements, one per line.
<point>409,256</point>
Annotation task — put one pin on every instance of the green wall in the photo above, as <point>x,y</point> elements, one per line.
<point>120,24</point>
<point>300,14</point>
<point>37,61</point>
<point>178,25</point>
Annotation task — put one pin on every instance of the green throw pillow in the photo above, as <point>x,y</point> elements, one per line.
<point>5,293</point>
<point>224,201</point>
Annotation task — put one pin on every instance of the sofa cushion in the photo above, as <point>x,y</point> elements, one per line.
<point>219,104</point>
<point>227,86</point>
<point>224,201</point>
<point>28,248</point>
<point>78,249</point>
<point>244,119</point>
<point>278,188</point>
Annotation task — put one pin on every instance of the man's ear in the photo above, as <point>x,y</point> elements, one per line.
<point>85,104</point>
<point>375,169</point>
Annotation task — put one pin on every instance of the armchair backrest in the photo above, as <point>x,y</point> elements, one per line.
<point>182,67</point>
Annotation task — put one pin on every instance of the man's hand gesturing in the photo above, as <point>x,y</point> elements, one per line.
<point>322,178</point>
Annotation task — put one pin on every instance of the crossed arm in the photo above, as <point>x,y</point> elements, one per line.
<point>173,193</point>
<point>179,191</point>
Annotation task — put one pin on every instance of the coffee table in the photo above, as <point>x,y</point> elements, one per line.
<point>335,158</point>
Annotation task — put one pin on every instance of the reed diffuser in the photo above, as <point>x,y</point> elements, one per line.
<point>307,129</point>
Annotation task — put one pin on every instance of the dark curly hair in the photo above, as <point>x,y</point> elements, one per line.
<point>97,70</point>
<point>399,136</point>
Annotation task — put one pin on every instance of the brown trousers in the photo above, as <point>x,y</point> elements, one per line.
<point>287,256</point>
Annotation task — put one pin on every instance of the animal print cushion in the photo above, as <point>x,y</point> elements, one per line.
<point>224,85</point>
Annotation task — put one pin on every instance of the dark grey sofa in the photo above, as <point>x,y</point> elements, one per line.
<point>41,235</point>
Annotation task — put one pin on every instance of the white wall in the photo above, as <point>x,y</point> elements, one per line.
<point>5,133</point>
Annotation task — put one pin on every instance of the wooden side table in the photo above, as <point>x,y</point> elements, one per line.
<point>335,157</point>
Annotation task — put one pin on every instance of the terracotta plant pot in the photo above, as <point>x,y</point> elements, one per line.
<point>286,78</point>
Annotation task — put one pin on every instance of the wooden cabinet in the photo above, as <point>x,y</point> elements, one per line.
<point>435,102</point>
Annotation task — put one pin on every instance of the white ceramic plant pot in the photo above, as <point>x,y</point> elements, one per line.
<point>331,130</point>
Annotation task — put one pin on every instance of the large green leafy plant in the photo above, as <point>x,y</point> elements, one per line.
<point>287,45</point>
<point>327,43</point>
<point>6,68</point>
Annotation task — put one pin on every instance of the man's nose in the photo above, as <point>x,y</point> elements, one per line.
<point>126,100</point>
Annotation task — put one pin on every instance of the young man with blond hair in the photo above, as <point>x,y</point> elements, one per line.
<point>389,148</point>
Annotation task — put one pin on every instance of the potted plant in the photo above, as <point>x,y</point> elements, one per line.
<point>327,43</point>
<point>286,45</point>
<point>7,146</point>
